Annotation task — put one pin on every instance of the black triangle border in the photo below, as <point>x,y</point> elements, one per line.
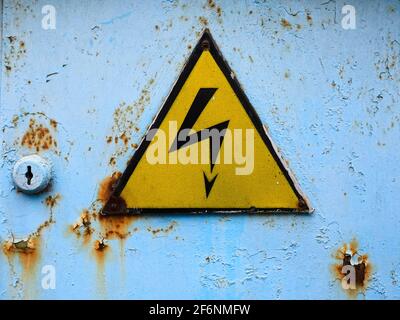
<point>116,205</point>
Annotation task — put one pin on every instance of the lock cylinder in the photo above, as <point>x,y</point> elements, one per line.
<point>32,174</point>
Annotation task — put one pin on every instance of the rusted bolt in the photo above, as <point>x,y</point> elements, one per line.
<point>302,204</point>
<point>205,45</point>
<point>32,174</point>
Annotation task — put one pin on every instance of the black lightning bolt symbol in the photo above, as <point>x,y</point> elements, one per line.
<point>201,100</point>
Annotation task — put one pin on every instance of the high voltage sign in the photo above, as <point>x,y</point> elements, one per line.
<point>206,151</point>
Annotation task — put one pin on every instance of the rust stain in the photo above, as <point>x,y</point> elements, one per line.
<point>38,137</point>
<point>113,227</point>
<point>203,21</point>
<point>84,226</point>
<point>107,186</point>
<point>124,138</point>
<point>126,116</point>
<point>14,51</point>
<point>286,24</point>
<point>52,201</point>
<point>116,227</point>
<point>107,227</point>
<point>309,18</point>
<point>112,161</point>
<point>100,250</point>
<point>24,246</point>
<point>212,5</point>
<point>28,252</point>
<point>348,255</point>
<point>53,123</point>
<point>100,246</point>
<point>165,230</point>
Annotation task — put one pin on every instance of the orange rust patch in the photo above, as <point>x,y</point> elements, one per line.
<point>28,254</point>
<point>112,161</point>
<point>107,227</point>
<point>212,5</point>
<point>124,138</point>
<point>38,137</point>
<point>286,24</point>
<point>100,245</point>
<point>52,201</point>
<point>349,255</point>
<point>13,53</point>
<point>15,120</point>
<point>165,230</point>
<point>126,117</point>
<point>84,226</point>
<point>107,186</point>
<point>100,249</point>
<point>53,123</point>
<point>203,21</point>
<point>309,19</point>
<point>116,227</point>
<point>44,225</point>
<point>26,246</point>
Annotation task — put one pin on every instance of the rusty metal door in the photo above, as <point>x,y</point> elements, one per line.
<point>81,83</point>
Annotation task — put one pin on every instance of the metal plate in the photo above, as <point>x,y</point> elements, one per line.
<point>220,158</point>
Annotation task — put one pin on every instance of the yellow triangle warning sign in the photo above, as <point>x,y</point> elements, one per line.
<point>206,150</point>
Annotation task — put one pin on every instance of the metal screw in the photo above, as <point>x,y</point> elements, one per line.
<point>205,45</point>
<point>32,174</point>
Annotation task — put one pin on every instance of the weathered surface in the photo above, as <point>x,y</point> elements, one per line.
<point>84,94</point>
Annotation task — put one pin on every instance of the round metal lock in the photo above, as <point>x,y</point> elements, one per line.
<point>32,174</point>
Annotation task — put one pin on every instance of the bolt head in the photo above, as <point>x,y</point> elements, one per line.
<point>39,174</point>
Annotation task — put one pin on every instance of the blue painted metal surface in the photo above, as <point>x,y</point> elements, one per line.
<point>329,96</point>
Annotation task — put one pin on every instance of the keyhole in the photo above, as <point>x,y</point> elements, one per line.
<point>29,175</point>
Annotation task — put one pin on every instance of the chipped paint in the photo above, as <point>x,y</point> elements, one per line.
<point>350,255</point>
<point>27,253</point>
